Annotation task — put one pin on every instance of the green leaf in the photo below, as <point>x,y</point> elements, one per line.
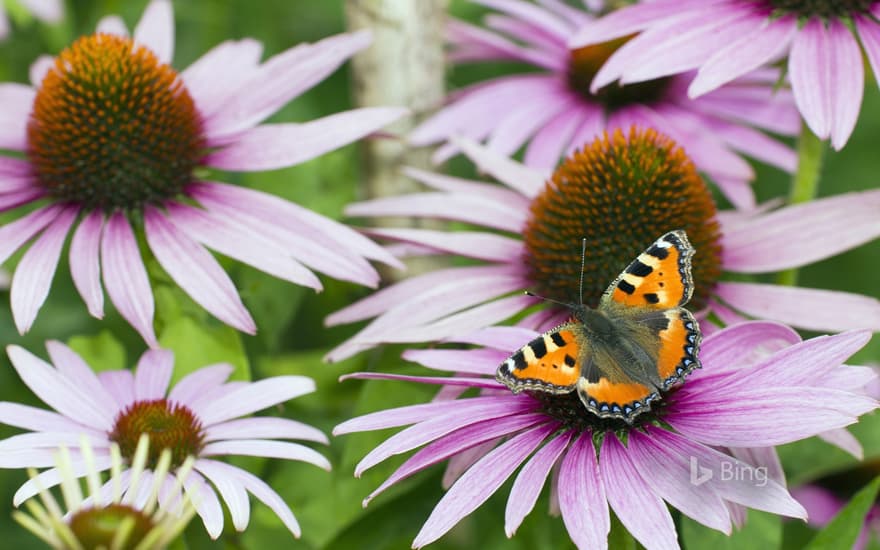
<point>619,538</point>
<point>102,351</point>
<point>844,529</point>
<point>196,346</point>
<point>762,530</point>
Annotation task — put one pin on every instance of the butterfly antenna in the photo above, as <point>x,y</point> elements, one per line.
<point>583,262</point>
<point>551,300</point>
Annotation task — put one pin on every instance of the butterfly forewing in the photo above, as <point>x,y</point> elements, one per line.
<point>660,278</point>
<point>551,362</point>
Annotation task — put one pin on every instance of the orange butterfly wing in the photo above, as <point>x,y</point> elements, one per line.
<point>660,278</point>
<point>550,363</point>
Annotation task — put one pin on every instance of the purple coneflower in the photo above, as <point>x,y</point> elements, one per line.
<point>200,417</point>
<point>778,391</point>
<point>554,111</point>
<point>113,137</point>
<point>621,193</point>
<point>725,39</point>
<point>49,11</point>
<point>144,517</point>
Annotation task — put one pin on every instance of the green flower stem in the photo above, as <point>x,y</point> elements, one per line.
<point>805,183</point>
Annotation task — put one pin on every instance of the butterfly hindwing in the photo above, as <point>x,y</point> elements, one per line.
<point>660,278</point>
<point>679,346</point>
<point>551,362</point>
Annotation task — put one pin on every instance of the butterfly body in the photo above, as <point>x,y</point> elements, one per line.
<point>618,357</point>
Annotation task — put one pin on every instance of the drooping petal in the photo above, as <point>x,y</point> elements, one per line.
<point>844,440</point>
<point>125,277</point>
<point>482,246</point>
<point>231,490</point>
<point>52,477</point>
<point>639,509</point>
<point>206,503</point>
<point>85,264</point>
<point>34,419</point>
<point>509,172</point>
<point>809,308</point>
<point>457,442</point>
<point>196,271</point>
<point>14,234</point>
<point>155,30</point>
<point>479,483</point>
<point>471,361</point>
<point>582,498</point>
<point>254,397</point>
<point>153,374</point>
<point>33,276</point>
<point>530,481</point>
<point>272,146</point>
<point>810,68</point>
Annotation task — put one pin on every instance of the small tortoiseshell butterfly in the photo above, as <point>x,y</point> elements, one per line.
<point>637,342</point>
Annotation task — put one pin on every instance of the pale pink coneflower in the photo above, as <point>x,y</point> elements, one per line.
<point>553,111</point>
<point>725,39</point>
<point>200,416</point>
<point>759,387</point>
<point>620,193</point>
<point>114,138</point>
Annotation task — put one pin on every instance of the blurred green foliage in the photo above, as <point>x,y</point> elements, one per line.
<point>292,338</point>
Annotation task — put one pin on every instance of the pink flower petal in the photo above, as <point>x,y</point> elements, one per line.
<point>261,491</point>
<point>199,382</point>
<point>869,36</point>
<point>844,440</point>
<point>34,419</point>
<point>125,277</point>
<point>509,172</point>
<point>743,345</point>
<point>810,68</point>
<point>240,242</point>
<point>582,498</point>
<point>39,69</point>
<point>813,309</point>
<point>231,490</point>
<point>14,234</point>
<point>254,397</point>
<point>155,30</point>
<point>216,76</point>
<point>766,43</point>
<point>78,372</point>
<point>472,361</point>
<point>85,265</point>
<point>442,182</point>
<point>52,477</point>
<point>56,391</point>
<point>671,479</point>
<point>550,142</point>
<point>264,428</point>
<point>120,385</point>
<point>483,246</point>
<point>153,374</point>
<point>434,428</point>
<point>271,449</point>
<point>282,78</point>
<point>520,124</point>
<point>528,484</point>
<point>112,24</point>
<point>17,101</point>
<point>798,235</point>
<point>542,19</point>
<point>34,273</point>
<point>50,11</point>
<point>638,508</point>
<point>472,382</point>
<point>457,442</point>
<point>847,82</point>
<point>479,483</point>
<point>196,271</point>
<point>272,146</point>
<point>206,503</point>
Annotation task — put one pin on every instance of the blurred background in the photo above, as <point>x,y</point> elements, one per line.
<point>292,338</point>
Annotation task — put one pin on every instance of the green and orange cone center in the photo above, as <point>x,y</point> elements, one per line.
<point>585,63</point>
<point>621,193</point>
<point>170,426</point>
<point>99,527</point>
<point>113,127</point>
